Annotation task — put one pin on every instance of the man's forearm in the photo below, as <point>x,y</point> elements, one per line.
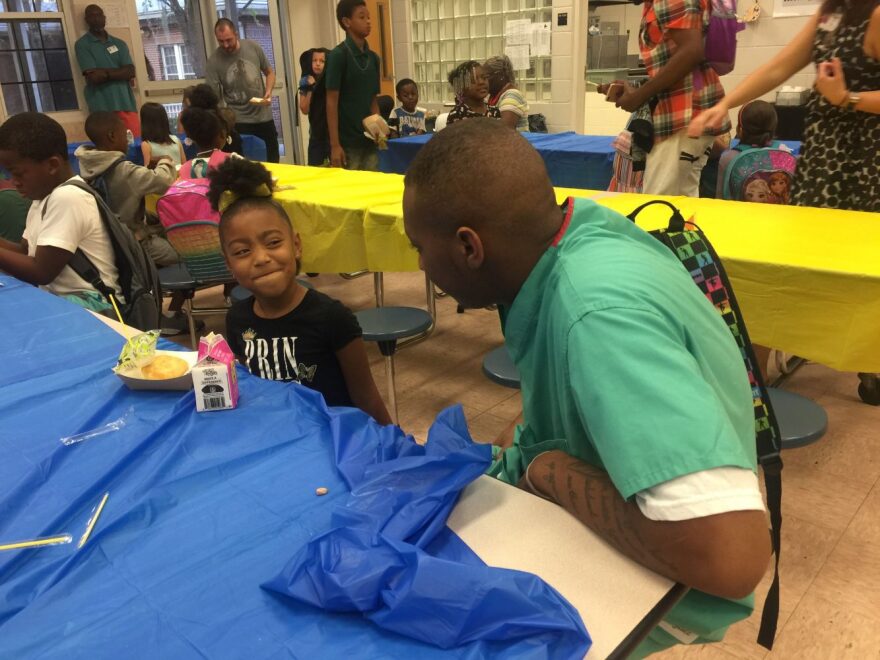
<point>270,83</point>
<point>100,76</point>
<point>725,554</point>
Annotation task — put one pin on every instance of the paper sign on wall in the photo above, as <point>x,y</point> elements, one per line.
<point>795,7</point>
<point>114,11</point>
<point>518,32</point>
<point>519,56</point>
<point>540,39</point>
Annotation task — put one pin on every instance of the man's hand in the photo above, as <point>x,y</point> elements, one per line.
<point>630,99</point>
<point>97,76</point>
<point>724,555</point>
<point>337,156</point>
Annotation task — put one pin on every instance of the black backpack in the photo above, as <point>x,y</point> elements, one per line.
<point>138,277</point>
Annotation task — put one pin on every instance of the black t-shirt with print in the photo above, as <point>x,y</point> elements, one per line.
<point>462,111</point>
<point>300,346</point>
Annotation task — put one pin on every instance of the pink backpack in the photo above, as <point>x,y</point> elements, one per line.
<point>187,198</point>
<point>185,201</point>
<point>197,168</point>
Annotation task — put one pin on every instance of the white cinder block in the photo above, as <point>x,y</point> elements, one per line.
<point>561,43</point>
<point>560,90</point>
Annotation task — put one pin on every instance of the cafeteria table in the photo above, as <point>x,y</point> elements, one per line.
<point>807,280</point>
<point>573,160</point>
<point>204,508</point>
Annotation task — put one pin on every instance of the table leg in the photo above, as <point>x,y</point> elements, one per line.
<point>379,287</point>
<point>392,395</point>
<point>432,303</point>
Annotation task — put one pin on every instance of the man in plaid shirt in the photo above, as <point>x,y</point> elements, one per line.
<point>682,84</point>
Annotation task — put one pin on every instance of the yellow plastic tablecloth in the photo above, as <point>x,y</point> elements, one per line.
<point>808,280</point>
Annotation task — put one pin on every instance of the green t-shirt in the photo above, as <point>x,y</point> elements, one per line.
<point>627,366</point>
<point>355,73</point>
<point>92,53</point>
<point>13,214</point>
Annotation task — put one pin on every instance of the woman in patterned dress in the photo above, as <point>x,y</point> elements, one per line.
<point>839,165</point>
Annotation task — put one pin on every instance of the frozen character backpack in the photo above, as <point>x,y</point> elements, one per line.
<point>759,174</point>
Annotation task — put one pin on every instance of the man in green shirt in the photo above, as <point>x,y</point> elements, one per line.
<point>106,64</point>
<point>637,411</point>
<point>352,80</point>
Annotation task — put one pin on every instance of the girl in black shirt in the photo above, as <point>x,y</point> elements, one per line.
<point>285,332</point>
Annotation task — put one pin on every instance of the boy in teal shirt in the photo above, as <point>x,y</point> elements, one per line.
<point>637,412</point>
<point>352,81</point>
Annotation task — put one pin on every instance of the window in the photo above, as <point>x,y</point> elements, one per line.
<point>173,40</point>
<point>448,32</point>
<point>35,73</point>
<point>176,63</point>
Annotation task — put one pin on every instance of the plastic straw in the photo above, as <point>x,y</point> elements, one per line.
<point>93,521</point>
<point>38,543</point>
<point>88,435</point>
<point>118,315</point>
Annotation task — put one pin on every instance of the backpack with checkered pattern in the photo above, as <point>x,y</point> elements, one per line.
<point>690,245</point>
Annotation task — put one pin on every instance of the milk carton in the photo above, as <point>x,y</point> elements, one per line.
<point>214,379</point>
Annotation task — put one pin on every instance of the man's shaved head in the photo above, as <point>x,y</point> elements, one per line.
<point>479,207</point>
<point>474,172</point>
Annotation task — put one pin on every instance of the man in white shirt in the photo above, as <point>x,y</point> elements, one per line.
<point>62,219</point>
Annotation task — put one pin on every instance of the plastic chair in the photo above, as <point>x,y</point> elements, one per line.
<point>198,244</point>
<point>801,421</point>
<point>499,368</point>
<point>386,326</point>
<point>440,122</point>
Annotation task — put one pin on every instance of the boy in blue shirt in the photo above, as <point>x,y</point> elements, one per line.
<point>637,411</point>
<point>410,119</point>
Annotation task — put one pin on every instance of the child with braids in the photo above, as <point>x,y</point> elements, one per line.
<point>284,331</point>
<point>471,88</point>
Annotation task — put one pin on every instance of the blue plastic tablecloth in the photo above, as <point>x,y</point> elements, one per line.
<point>573,160</point>
<point>204,508</point>
<point>254,148</point>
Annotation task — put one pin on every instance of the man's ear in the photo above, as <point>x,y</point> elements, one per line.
<point>471,246</point>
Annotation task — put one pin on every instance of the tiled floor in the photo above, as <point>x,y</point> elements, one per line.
<point>830,605</point>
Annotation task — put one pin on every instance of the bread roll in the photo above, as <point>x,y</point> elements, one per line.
<point>164,367</point>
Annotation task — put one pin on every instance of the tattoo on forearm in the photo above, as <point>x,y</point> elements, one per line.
<point>572,496</point>
<point>608,514</point>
